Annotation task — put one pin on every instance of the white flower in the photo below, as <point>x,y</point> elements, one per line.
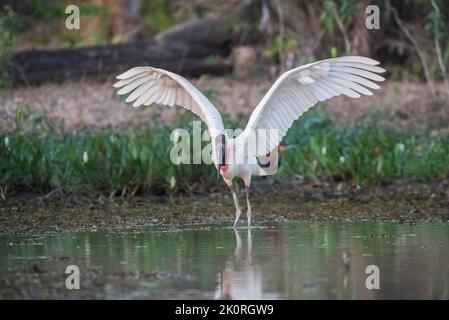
<point>323,151</point>
<point>400,147</point>
<point>6,141</point>
<point>342,159</point>
<point>85,157</point>
<point>172,182</point>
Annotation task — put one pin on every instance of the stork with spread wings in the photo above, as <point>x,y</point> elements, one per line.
<point>293,93</point>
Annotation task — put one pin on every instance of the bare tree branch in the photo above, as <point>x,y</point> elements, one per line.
<point>417,48</point>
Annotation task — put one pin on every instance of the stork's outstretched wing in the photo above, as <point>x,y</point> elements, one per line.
<point>147,85</point>
<point>301,88</point>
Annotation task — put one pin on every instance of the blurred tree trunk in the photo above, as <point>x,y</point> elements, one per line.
<point>125,24</point>
<point>360,36</point>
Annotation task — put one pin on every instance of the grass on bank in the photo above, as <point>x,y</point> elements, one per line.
<point>132,161</point>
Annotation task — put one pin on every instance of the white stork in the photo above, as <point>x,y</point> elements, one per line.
<point>293,93</point>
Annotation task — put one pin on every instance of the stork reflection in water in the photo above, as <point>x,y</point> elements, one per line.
<point>242,277</point>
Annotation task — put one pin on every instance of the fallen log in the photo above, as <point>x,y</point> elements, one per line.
<point>37,66</point>
<point>191,49</point>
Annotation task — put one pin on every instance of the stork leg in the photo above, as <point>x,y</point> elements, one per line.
<point>247,181</point>
<point>238,210</point>
<point>248,212</point>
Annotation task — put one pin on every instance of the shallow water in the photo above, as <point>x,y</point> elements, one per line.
<point>281,261</point>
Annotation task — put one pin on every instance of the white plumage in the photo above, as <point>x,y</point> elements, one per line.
<point>293,93</point>
<point>147,85</point>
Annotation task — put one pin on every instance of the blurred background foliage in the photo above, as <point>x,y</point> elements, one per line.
<point>413,35</point>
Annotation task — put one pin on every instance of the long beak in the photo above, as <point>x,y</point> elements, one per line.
<point>221,153</point>
<point>219,164</point>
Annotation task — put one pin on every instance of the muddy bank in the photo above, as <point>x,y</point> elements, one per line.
<point>271,201</point>
<point>96,106</point>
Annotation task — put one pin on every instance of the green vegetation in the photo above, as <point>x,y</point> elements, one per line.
<point>366,153</point>
<point>156,15</point>
<point>279,44</point>
<point>413,40</point>
<point>9,24</point>
<point>51,14</point>
<point>334,13</point>
<point>38,158</point>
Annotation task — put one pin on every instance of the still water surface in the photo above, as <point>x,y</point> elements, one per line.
<point>277,261</point>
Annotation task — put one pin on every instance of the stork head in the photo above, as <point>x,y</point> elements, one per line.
<point>220,151</point>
